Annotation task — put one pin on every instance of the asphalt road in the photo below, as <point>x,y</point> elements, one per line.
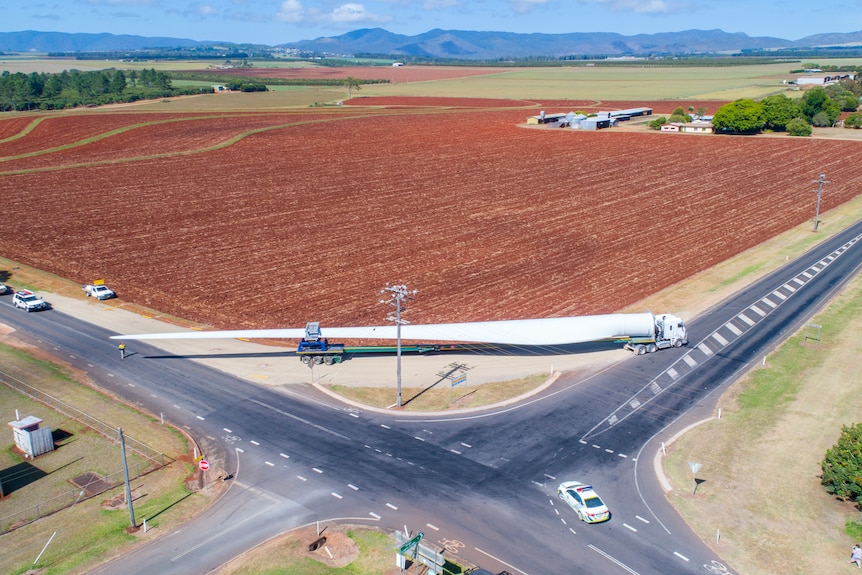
<point>480,484</point>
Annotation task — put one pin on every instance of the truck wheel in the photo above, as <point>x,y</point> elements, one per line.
<point>651,348</point>
<point>677,343</point>
<point>641,350</point>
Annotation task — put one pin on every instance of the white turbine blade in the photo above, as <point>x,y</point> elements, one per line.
<point>548,331</point>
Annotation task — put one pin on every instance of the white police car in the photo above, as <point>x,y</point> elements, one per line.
<point>583,499</point>
<point>27,300</point>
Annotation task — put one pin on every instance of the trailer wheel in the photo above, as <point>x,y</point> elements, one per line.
<point>328,360</point>
<point>641,350</point>
<point>318,360</point>
<point>305,359</point>
<point>651,348</point>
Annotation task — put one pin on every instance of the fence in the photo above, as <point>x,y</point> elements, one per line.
<point>155,458</point>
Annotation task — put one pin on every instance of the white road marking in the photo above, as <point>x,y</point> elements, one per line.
<point>385,426</point>
<point>417,437</point>
<point>622,455</point>
<point>455,452</point>
<point>301,478</point>
<point>627,526</point>
<point>551,477</point>
<point>390,506</point>
<point>639,518</point>
<point>353,487</point>
<point>253,442</point>
<point>705,349</point>
<point>745,319</point>
<point>681,556</point>
<point>733,328</point>
<point>374,515</point>
<point>689,360</point>
<point>201,418</point>
<point>467,445</point>
<point>353,415</point>
<point>336,495</point>
<point>316,470</point>
<point>434,527</point>
<point>226,429</point>
<point>717,337</point>
<point>270,463</point>
<point>612,559</point>
<point>284,455</point>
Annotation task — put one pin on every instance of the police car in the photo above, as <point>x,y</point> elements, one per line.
<point>585,501</point>
<point>27,300</point>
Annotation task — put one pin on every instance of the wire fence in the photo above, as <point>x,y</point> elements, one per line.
<point>154,458</point>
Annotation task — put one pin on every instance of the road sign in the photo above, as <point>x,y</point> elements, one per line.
<point>412,543</point>
<point>461,379</point>
<point>204,464</point>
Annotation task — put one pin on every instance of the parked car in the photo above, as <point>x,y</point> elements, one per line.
<point>27,300</point>
<point>585,501</point>
<point>98,291</point>
<point>4,289</point>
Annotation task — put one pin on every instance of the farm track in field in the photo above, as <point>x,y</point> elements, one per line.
<point>487,219</point>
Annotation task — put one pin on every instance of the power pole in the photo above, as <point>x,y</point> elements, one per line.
<point>820,183</point>
<point>126,474</point>
<point>398,295</point>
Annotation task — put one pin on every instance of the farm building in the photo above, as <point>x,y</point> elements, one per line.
<point>598,122</point>
<point>688,128</point>
<point>823,80</point>
<point>630,113</point>
<point>544,118</point>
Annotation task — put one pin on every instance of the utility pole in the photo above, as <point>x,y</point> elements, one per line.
<point>126,473</point>
<point>820,183</point>
<point>398,295</point>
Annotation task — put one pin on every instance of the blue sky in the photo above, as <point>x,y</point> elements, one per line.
<point>278,21</point>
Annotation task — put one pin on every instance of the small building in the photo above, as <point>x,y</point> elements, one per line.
<point>824,80</point>
<point>688,128</point>
<point>30,438</point>
<point>544,118</point>
<point>598,123</point>
<point>220,89</point>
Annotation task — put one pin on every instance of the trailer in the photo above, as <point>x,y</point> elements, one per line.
<point>661,332</point>
<point>316,350</point>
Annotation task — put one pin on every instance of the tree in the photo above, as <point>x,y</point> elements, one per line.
<point>798,127</point>
<point>679,115</point>
<point>817,100</point>
<point>853,121</point>
<point>118,82</point>
<point>351,83</point>
<point>821,120</point>
<point>778,110</point>
<point>842,467</point>
<point>657,123</point>
<point>743,116</point>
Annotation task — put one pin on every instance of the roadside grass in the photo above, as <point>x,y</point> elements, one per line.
<point>759,502</point>
<point>86,533</point>
<point>442,396</point>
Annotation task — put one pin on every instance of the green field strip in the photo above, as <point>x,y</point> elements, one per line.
<point>27,129</point>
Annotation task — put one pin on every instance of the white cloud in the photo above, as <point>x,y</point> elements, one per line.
<point>637,6</point>
<point>204,10</point>
<point>522,6</point>
<point>440,4</point>
<point>292,11</point>
<point>123,2</point>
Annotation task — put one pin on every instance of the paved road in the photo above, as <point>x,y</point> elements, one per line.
<point>480,484</point>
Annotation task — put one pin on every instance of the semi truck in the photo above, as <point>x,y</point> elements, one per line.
<point>657,332</point>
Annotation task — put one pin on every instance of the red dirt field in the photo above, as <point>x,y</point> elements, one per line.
<point>394,74</point>
<point>485,219</point>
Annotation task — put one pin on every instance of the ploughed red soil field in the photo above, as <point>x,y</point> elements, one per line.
<point>273,220</point>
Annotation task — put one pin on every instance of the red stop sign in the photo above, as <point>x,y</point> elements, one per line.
<point>204,464</point>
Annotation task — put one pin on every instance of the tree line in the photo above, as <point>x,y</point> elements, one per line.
<point>72,88</point>
<point>819,106</point>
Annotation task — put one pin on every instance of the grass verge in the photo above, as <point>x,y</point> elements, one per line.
<point>92,530</point>
<point>758,500</point>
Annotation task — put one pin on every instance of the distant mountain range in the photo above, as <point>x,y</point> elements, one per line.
<point>455,44</point>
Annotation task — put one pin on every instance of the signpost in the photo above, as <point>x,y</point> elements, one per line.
<point>204,464</point>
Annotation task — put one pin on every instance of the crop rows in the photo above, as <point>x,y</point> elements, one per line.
<point>486,219</point>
